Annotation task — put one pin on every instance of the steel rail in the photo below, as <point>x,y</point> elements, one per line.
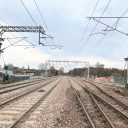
<point>98,97</point>
<point>102,112</point>
<point>17,84</point>
<point>96,103</point>
<point>22,95</point>
<point>84,109</point>
<point>112,97</point>
<point>114,108</point>
<point>16,88</point>
<point>26,114</point>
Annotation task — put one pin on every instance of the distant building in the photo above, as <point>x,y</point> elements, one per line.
<point>98,65</point>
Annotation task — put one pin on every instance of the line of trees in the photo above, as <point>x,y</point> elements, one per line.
<point>98,72</point>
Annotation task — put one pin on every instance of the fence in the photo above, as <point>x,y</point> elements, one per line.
<point>119,80</point>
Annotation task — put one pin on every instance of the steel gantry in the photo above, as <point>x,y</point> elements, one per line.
<point>33,29</point>
<point>5,29</point>
<point>36,29</point>
<point>30,29</point>
<point>50,62</point>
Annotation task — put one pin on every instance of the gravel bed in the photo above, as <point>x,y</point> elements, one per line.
<point>114,117</point>
<point>109,90</point>
<point>91,108</point>
<point>117,92</point>
<point>59,110</point>
<point>109,100</point>
<point>10,95</point>
<point>121,93</point>
<point>14,110</point>
<point>19,82</point>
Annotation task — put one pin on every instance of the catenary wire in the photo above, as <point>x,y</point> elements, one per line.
<point>99,42</point>
<point>96,24</point>
<point>14,35</point>
<point>41,15</point>
<point>89,20</point>
<point>28,12</point>
<point>44,23</point>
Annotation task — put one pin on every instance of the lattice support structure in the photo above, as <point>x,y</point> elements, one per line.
<point>35,29</point>
<point>49,62</point>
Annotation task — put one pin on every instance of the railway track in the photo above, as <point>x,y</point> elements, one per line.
<point>110,97</point>
<point>117,112</point>
<point>15,111</point>
<point>21,83</point>
<point>4,103</point>
<point>11,88</point>
<point>91,109</point>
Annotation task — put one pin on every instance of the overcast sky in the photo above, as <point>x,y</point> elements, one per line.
<point>66,21</point>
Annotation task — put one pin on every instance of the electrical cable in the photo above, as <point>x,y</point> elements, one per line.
<point>112,28</point>
<point>44,23</point>
<point>105,35</point>
<point>96,24</point>
<point>46,41</point>
<point>28,12</point>
<point>12,44</point>
<point>41,15</point>
<point>89,20</point>
<point>14,35</point>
